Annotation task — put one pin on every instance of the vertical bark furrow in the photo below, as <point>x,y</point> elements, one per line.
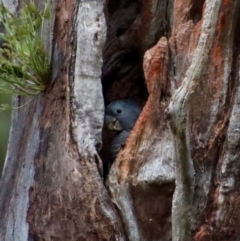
<point>87,89</point>
<point>18,175</point>
<point>178,112</point>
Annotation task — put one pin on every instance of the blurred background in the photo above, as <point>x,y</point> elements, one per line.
<point>5,121</point>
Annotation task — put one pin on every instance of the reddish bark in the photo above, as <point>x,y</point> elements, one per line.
<point>189,78</point>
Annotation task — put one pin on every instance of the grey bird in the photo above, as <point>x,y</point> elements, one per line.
<point>121,116</point>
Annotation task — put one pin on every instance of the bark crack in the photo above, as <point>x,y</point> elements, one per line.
<point>178,112</point>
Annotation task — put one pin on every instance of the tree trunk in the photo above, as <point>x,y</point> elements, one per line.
<point>177,177</point>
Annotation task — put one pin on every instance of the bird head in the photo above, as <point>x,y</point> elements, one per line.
<point>122,114</point>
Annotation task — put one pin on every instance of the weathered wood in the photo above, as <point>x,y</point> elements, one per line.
<point>203,81</point>
<point>178,110</point>
<point>177,177</point>
<point>201,110</point>
<point>52,187</point>
<point>144,170</point>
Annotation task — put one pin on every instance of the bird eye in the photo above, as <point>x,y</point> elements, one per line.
<point>119,111</point>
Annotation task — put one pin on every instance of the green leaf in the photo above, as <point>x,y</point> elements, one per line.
<point>5,107</point>
<point>24,63</point>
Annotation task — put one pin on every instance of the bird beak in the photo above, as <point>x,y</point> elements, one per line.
<point>112,123</point>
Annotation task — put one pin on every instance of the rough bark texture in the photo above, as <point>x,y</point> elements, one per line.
<point>144,170</point>
<point>177,177</point>
<point>51,187</point>
<point>202,81</point>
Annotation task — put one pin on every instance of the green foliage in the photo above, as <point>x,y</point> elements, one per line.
<point>24,63</point>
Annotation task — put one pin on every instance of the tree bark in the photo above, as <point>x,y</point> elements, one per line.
<point>177,177</point>
<point>52,187</point>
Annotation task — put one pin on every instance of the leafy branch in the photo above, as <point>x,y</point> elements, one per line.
<point>24,63</point>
